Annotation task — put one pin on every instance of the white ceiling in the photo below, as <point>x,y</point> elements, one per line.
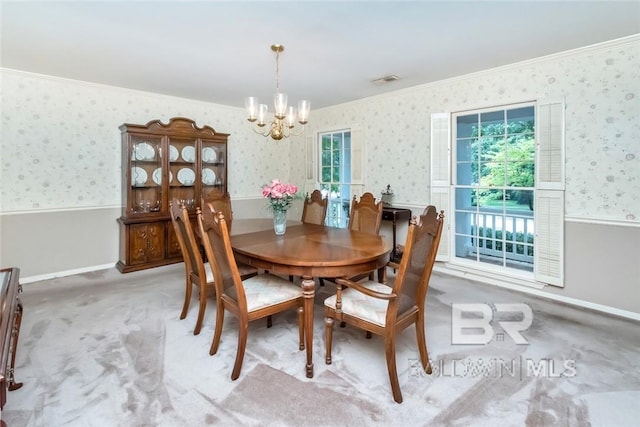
<point>219,51</point>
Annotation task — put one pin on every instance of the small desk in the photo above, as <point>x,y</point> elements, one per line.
<point>395,215</point>
<point>309,251</point>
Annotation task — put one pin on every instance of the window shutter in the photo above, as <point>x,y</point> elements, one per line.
<point>357,157</point>
<point>440,178</point>
<point>550,152</point>
<point>549,203</point>
<point>440,164</point>
<point>549,240</point>
<point>312,164</point>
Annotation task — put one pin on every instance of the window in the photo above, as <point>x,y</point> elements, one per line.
<point>499,175</point>
<point>493,186</point>
<point>335,175</point>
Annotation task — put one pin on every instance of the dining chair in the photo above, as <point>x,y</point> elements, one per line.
<point>314,209</point>
<point>221,204</point>
<point>197,272</point>
<point>386,309</point>
<point>366,214</point>
<point>254,298</point>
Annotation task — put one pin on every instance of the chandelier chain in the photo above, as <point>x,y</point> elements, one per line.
<point>277,72</point>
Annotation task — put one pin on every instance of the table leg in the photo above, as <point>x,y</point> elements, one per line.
<point>308,290</point>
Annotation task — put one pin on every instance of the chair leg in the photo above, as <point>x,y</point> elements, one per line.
<point>390,349</point>
<point>242,345</point>
<point>301,326</point>
<point>328,337</point>
<point>321,280</point>
<point>187,299</point>
<point>201,309</point>
<point>422,345</point>
<point>269,321</point>
<point>368,335</point>
<point>218,330</point>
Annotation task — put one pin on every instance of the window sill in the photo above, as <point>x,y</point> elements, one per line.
<point>515,281</point>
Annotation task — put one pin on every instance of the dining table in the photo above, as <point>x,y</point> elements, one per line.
<point>308,251</point>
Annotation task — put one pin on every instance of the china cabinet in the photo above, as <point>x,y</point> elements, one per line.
<point>160,163</point>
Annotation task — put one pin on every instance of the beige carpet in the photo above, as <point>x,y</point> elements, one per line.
<point>108,349</point>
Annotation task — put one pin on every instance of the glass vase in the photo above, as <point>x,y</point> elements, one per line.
<point>279,222</point>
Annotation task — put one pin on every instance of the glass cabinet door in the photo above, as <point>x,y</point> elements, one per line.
<point>182,178</point>
<point>214,174</point>
<point>145,181</point>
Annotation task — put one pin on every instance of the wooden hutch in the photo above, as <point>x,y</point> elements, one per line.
<point>162,162</point>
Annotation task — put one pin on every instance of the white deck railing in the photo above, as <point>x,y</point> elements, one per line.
<point>509,234</point>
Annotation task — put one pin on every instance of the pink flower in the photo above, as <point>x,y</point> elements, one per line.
<point>280,195</point>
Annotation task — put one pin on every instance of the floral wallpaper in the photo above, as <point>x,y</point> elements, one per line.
<point>602,95</point>
<point>61,143</point>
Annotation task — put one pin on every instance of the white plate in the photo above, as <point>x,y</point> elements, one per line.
<point>138,176</point>
<point>186,176</point>
<point>157,176</point>
<point>208,176</point>
<point>209,155</point>
<point>144,151</point>
<point>189,154</point>
<point>173,153</point>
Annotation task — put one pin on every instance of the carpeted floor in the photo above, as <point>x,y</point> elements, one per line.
<point>108,349</point>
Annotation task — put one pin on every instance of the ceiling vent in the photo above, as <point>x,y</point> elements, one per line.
<point>385,79</point>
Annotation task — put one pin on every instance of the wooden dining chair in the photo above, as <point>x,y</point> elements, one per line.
<point>314,209</point>
<point>221,204</point>
<point>366,214</point>
<point>386,309</point>
<point>198,273</point>
<point>254,298</point>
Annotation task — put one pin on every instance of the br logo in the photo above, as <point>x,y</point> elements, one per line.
<point>473,323</point>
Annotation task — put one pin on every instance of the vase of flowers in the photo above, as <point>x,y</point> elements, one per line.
<point>279,198</point>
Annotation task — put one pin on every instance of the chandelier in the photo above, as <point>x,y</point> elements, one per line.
<point>284,118</point>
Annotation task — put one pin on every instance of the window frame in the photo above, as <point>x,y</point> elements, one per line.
<point>549,193</point>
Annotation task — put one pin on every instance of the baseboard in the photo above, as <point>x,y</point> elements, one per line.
<point>31,279</point>
<point>539,292</point>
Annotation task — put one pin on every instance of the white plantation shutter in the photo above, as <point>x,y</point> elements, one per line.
<point>549,203</point>
<point>550,149</point>
<point>357,157</point>
<point>440,177</point>
<point>312,164</point>
<point>549,238</point>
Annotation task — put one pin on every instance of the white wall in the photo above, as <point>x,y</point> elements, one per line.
<point>602,93</point>
<point>61,166</point>
<point>600,85</point>
<point>61,153</point>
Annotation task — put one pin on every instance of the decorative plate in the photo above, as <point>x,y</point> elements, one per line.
<point>138,176</point>
<point>209,155</point>
<point>186,176</point>
<point>208,176</point>
<point>189,154</point>
<point>173,153</point>
<point>157,176</point>
<point>144,151</point>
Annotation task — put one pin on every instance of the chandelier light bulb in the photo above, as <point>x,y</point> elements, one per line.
<point>251,104</point>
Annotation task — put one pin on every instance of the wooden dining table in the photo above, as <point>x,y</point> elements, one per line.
<point>308,251</point>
